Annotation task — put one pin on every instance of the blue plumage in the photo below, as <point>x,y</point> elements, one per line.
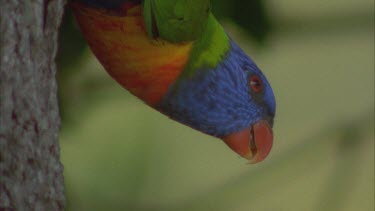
<point>220,101</point>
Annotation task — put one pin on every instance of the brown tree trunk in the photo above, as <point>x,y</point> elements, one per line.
<point>30,170</point>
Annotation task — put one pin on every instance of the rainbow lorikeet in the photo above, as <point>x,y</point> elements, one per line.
<point>177,58</point>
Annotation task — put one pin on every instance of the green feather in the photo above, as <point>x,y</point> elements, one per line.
<point>209,49</point>
<point>176,20</point>
<point>188,20</point>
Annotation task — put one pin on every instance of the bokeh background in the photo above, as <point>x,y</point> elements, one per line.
<point>120,154</point>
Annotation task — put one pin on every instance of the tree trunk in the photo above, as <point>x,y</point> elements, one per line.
<point>30,170</point>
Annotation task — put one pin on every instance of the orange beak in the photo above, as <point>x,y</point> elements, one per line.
<point>252,143</point>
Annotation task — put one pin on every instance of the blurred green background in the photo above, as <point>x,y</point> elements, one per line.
<point>120,154</point>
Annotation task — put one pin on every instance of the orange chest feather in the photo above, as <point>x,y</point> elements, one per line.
<point>144,66</point>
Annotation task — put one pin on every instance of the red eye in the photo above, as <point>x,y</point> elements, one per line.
<point>256,84</point>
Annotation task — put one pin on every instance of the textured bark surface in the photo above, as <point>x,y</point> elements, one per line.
<point>30,170</point>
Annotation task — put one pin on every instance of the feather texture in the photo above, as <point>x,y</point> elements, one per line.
<point>143,66</point>
<point>200,79</point>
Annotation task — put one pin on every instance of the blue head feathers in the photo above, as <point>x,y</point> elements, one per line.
<point>221,101</point>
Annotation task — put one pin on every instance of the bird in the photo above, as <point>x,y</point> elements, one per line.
<point>177,58</point>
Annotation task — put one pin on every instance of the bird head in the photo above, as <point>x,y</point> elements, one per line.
<point>232,101</point>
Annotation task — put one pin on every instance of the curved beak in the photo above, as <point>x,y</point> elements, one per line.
<point>252,143</point>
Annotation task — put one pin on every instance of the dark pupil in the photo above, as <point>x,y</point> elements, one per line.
<point>255,84</point>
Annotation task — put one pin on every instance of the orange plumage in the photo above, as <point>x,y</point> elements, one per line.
<point>146,67</point>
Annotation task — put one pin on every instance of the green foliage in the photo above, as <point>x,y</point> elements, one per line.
<point>70,55</point>
<point>71,44</point>
<point>252,16</point>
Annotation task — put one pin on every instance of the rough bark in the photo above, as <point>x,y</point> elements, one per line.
<point>30,170</point>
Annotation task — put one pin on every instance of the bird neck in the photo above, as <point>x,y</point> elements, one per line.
<point>209,49</point>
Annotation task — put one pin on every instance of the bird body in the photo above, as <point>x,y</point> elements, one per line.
<point>177,58</point>
<point>123,48</point>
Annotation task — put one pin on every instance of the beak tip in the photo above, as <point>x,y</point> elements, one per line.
<point>253,144</point>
